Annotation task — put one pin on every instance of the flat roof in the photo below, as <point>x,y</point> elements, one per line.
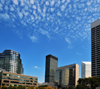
<point>18,74</point>
<point>86,62</point>
<point>67,66</point>
<point>95,23</point>
<point>52,56</point>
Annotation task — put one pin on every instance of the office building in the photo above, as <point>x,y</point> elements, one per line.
<point>85,69</point>
<point>10,61</point>
<point>50,68</point>
<point>8,78</point>
<point>95,48</point>
<point>67,75</point>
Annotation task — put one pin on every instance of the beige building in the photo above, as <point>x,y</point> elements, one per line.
<point>67,75</point>
<point>7,78</point>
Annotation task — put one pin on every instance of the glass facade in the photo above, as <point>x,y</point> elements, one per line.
<point>51,65</point>
<point>11,62</point>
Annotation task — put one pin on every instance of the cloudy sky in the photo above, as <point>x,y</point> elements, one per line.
<point>36,28</point>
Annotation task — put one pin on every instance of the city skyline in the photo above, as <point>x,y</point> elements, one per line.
<point>37,28</point>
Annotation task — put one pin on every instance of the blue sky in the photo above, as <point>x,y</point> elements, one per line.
<point>36,28</point>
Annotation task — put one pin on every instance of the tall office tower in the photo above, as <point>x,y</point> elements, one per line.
<point>67,75</point>
<point>85,69</point>
<point>51,65</point>
<point>95,48</point>
<point>11,62</point>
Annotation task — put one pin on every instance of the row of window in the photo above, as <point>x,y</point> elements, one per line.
<point>19,79</point>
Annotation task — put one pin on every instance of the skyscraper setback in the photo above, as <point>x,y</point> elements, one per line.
<point>51,65</point>
<point>10,61</point>
<point>95,48</point>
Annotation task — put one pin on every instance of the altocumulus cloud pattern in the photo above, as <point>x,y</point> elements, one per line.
<point>69,19</point>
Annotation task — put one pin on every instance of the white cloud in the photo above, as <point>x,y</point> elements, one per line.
<point>34,7</point>
<point>33,38</point>
<point>45,33</point>
<point>6,7</point>
<point>63,1</point>
<point>36,67</point>
<point>63,7</point>
<point>20,14</point>
<point>32,1</point>
<point>70,46</point>
<point>4,16</point>
<point>47,3</point>
<point>52,9</point>
<point>68,40</point>
<point>22,2</point>
<point>15,2</point>
<point>59,14</point>
<point>78,53</point>
<point>52,2</point>
<point>11,8</point>
<point>1,7</point>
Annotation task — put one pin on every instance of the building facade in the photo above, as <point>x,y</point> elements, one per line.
<point>11,62</point>
<point>8,78</point>
<point>50,68</point>
<point>67,75</point>
<point>95,48</point>
<point>85,69</point>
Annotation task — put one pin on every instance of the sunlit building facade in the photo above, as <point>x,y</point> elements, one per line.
<point>13,79</point>
<point>50,68</point>
<point>67,75</point>
<point>95,48</point>
<point>85,69</point>
<point>10,61</point>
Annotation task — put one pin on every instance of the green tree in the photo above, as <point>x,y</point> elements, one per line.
<point>71,87</point>
<point>79,86</point>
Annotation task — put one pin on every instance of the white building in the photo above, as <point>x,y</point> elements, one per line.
<point>85,69</point>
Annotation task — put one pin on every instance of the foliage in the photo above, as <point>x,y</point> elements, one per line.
<point>59,86</point>
<point>43,86</point>
<point>79,86</point>
<point>71,87</point>
<point>87,83</point>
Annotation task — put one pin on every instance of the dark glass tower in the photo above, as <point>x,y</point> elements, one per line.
<point>51,65</point>
<point>95,48</point>
<point>11,62</point>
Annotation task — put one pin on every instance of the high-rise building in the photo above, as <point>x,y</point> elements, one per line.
<point>10,61</point>
<point>85,69</point>
<point>95,48</point>
<point>67,75</point>
<point>50,68</point>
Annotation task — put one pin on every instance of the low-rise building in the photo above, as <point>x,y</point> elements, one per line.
<point>67,75</point>
<point>8,78</point>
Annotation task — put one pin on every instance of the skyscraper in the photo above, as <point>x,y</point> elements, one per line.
<point>50,68</point>
<point>11,62</point>
<point>95,48</point>
<point>85,69</point>
<point>67,75</point>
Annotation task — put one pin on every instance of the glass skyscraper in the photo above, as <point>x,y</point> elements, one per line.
<point>11,62</point>
<point>51,65</point>
<point>85,69</point>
